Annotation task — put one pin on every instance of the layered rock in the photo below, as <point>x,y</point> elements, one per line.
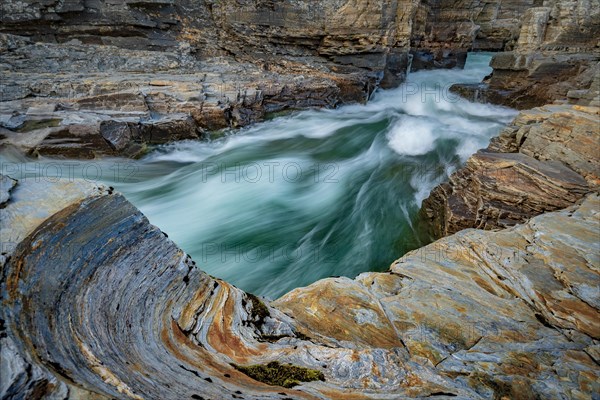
<point>99,303</point>
<point>556,53</point>
<point>356,33</point>
<point>545,161</point>
<point>153,96</point>
<point>446,30</point>
<point>171,70</point>
<point>83,111</point>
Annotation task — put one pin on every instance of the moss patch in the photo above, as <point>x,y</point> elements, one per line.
<point>259,310</point>
<point>285,375</point>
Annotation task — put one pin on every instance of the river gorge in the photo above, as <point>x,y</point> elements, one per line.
<point>315,194</point>
<point>342,199</point>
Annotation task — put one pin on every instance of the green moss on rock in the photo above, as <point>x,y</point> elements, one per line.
<point>259,310</point>
<point>277,374</point>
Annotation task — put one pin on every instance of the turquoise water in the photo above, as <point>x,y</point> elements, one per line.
<point>316,193</point>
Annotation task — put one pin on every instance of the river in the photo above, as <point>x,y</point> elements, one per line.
<point>313,193</point>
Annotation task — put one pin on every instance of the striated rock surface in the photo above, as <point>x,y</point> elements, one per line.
<point>98,303</point>
<point>86,108</point>
<point>93,78</point>
<point>557,53</point>
<point>444,31</point>
<point>84,79</point>
<point>545,161</point>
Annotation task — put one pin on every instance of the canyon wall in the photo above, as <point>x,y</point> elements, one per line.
<point>362,34</point>
<point>556,56</point>
<point>445,31</point>
<point>546,160</point>
<point>92,78</point>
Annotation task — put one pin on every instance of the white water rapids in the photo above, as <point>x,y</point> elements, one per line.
<point>315,193</point>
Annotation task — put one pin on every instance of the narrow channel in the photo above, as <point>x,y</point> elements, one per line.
<point>315,193</point>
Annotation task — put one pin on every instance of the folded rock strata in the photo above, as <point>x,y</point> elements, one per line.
<point>98,302</point>
<point>545,161</point>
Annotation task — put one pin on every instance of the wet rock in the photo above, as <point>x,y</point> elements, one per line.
<point>173,127</point>
<point>474,315</point>
<point>545,161</point>
<point>118,135</point>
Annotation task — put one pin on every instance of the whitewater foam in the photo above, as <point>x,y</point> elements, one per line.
<point>316,193</point>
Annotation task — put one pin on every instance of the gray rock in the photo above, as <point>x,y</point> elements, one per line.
<point>6,185</point>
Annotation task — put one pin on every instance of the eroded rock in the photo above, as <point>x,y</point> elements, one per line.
<point>129,315</point>
<point>224,64</point>
<point>556,53</point>
<point>545,161</point>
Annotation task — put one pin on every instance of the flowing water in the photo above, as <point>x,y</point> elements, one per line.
<point>315,193</point>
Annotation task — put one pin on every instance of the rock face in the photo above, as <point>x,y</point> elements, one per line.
<point>88,108</point>
<point>98,303</point>
<point>545,161</point>
<point>556,53</point>
<point>92,78</point>
<point>445,31</point>
<point>171,70</point>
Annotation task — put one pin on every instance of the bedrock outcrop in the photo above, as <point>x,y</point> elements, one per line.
<point>82,101</point>
<point>444,31</point>
<point>86,79</point>
<point>92,78</point>
<point>556,52</point>
<point>547,159</point>
<point>98,303</point>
